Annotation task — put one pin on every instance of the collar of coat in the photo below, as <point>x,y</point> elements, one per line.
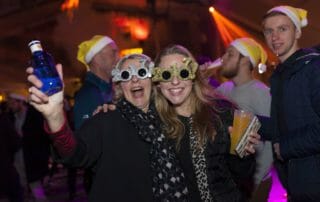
<point>296,62</point>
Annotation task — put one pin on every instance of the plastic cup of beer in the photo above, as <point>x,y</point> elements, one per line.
<point>241,120</point>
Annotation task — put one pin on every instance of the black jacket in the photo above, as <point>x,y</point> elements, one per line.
<point>295,118</point>
<point>111,144</point>
<point>228,175</point>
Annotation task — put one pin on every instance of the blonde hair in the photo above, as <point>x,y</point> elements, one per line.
<point>202,104</point>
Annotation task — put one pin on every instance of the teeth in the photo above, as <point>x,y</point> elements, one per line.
<point>176,90</point>
<point>137,88</point>
<point>276,46</point>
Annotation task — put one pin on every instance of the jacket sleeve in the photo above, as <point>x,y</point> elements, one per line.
<point>241,168</point>
<point>265,131</point>
<point>308,144</point>
<point>242,171</point>
<point>63,140</point>
<point>80,149</point>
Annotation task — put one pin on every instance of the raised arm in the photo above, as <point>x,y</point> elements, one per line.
<point>50,107</point>
<point>72,151</point>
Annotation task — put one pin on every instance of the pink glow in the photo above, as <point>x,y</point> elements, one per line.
<point>277,193</point>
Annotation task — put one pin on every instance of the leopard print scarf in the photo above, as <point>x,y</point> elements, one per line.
<point>168,178</point>
<point>199,164</point>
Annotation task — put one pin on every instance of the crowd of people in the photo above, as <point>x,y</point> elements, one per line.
<point>165,133</point>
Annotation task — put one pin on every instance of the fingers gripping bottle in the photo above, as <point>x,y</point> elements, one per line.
<point>44,69</point>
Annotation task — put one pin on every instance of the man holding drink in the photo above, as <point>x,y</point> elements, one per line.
<point>251,95</point>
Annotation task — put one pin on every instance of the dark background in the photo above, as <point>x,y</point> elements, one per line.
<point>186,22</point>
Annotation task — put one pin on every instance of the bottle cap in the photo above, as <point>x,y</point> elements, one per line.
<point>35,45</point>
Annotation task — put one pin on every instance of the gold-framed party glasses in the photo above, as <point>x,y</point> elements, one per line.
<point>185,72</point>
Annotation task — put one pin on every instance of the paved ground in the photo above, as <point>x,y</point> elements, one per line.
<point>57,190</point>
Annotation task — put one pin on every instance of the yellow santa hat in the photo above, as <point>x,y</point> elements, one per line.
<point>297,15</point>
<point>88,49</point>
<point>250,48</point>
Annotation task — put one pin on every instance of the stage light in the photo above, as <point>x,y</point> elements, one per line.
<point>211,9</point>
<point>69,6</point>
<point>138,28</point>
<point>131,51</point>
<point>230,31</point>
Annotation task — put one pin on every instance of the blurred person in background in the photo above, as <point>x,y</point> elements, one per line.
<point>99,55</point>
<point>10,142</point>
<point>238,63</point>
<point>31,160</point>
<point>204,62</point>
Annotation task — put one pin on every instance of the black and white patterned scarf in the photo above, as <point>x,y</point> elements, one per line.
<point>168,178</point>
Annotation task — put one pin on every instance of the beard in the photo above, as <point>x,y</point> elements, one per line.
<point>231,73</point>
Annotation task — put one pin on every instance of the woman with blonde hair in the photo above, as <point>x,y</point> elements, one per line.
<point>196,119</point>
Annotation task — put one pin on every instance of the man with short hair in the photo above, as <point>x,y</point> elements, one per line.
<point>295,106</point>
<point>99,55</point>
<point>238,63</point>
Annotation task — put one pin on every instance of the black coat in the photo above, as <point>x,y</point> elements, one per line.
<point>229,177</point>
<point>111,144</point>
<point>295,118</point>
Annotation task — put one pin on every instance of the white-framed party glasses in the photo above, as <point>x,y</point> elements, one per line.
<point>141,72</point>
<point>126,74</point>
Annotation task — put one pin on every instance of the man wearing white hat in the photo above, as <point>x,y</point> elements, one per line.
<point>250,94</point>
<point>99,55</point>
<point>295,105</point>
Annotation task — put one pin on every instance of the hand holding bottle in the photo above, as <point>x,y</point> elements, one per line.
<point>51,107</point>
<point>44,68</point>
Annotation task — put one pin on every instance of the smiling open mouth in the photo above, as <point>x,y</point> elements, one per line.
<point>137,92</point>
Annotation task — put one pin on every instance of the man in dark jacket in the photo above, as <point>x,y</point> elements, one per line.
<point>295,105</point>
<point>99,55</point>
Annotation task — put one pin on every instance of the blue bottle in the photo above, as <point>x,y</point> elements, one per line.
<point>44,69</point>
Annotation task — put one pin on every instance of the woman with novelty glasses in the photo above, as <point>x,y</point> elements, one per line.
<point>131,159</point>
<point>197,121</point>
